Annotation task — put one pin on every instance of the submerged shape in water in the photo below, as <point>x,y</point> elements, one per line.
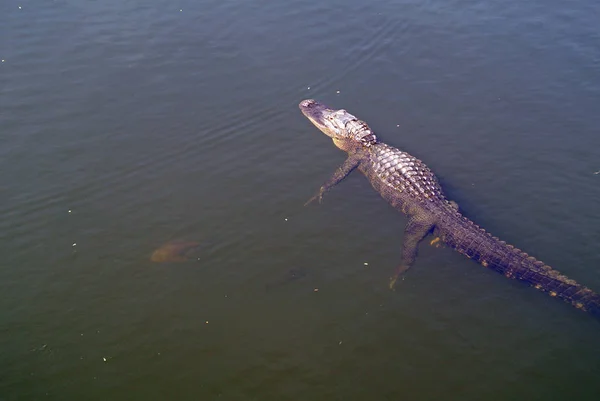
<point>174,251</point>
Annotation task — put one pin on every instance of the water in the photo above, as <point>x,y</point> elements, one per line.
<point>124,125</point>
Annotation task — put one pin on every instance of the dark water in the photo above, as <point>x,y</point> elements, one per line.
<point>127,124</point>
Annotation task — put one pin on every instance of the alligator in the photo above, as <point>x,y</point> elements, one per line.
<point>410,186</point>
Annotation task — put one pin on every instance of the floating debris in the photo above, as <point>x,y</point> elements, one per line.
<point>595,173</point>
<point>206,322</point>
<point>306,88</point>
<point>316,290</point>
<point>174,251</point>
<point>286,219</point>
<point>104,359</point>
<point>74,243</point>
<point>366,263</point>
<point>69,210</point>
<point>337,91</point>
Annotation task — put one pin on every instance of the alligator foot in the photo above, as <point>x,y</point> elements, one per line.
<point>318,196</point>
<point>342,172</point>
<point>393,281</point>
<point>414,232</point>
<point>398,276</point>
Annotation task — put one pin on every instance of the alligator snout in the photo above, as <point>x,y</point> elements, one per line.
<point>307,102</point>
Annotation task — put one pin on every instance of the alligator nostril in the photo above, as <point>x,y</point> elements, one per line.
<point>307,103</point>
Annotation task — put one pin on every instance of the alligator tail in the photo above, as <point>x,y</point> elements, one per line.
<point>475,243</point>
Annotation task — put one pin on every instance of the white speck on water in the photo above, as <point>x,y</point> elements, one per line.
<point>74,243</point>
<point>69,210</point>
<point>306,88</point>
<point>19,7</point>
<point>206,322</point>
<point>366,263</point>
<point>340,343</point>
<point>596,172</point>
<point>286,219</point>
<point>104,359</point>
<point>397,125</point>
<point>316,290</point>
<point>337,91</point>
<point>180,10</point>
<point>3,60</point>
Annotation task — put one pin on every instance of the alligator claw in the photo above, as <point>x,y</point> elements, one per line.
<point>318,196</point>
<point>312,199</point>
<point>398,275</point>
<point>393,281</point>
<point>435,242</point>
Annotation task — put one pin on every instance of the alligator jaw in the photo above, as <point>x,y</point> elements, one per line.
<point>345,129</point>
<point>321,116</point>
<point>336,124</point>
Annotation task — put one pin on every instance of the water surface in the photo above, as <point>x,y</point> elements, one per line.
<point>125,125</point>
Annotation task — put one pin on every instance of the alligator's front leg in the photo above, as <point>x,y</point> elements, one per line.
<point>415,231</point>
<point>342,172</point>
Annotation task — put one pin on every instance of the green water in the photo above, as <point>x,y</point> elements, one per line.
<point>124,125</point>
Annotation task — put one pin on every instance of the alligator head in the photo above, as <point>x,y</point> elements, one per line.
<point>345,129</point>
